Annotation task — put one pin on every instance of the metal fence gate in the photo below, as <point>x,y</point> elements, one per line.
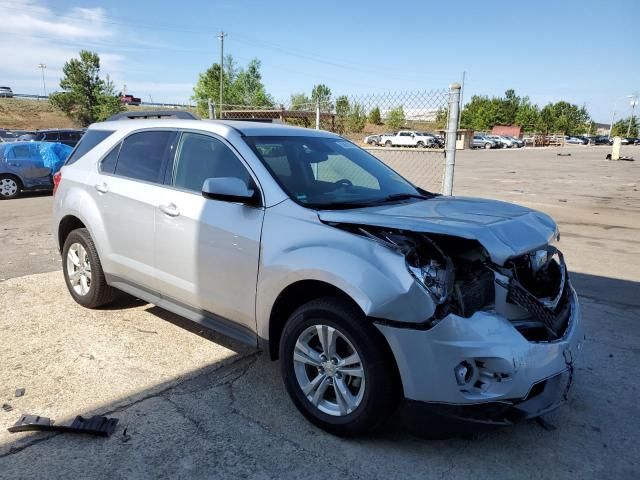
<point>413,132</point>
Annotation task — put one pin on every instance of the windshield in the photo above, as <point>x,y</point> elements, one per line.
<point>325,172</point>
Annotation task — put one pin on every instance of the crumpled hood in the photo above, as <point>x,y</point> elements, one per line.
<point>505,230</point>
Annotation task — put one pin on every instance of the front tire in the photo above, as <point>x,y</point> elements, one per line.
<point>83,272</point>
<point>337,368</point>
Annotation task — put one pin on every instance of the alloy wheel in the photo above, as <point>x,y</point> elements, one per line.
<point>79,269</point>
<point>329,370</point>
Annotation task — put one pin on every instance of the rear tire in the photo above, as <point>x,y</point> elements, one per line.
<point>487,146</point>
<point>83,272</point>
<point>355,387</point>
<point>10,187</point>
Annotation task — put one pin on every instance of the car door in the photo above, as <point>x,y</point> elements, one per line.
<point>405,139</point>
<point>25,161</point>
<point>207,251</point>
<point>126,188</point>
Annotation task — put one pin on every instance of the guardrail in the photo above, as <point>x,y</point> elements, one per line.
<point>144,104</point>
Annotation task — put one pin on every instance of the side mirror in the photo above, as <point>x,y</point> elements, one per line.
<point>230,189</point>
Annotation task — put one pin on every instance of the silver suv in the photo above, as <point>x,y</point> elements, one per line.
<point>371,291</point>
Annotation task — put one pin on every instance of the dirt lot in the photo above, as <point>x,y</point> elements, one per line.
<point>195,404</point>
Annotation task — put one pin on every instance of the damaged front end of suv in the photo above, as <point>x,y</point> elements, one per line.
<point>499,342</point>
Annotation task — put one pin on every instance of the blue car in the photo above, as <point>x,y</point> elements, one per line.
<point>29,166</point>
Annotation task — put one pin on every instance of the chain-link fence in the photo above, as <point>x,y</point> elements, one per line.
<point>405,130</point>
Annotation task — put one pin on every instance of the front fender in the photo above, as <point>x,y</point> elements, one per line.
<point>374,276</point>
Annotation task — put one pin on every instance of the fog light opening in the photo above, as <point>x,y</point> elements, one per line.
<point>463,372</point>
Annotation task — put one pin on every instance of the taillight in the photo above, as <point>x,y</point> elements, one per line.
<point>56,181</point>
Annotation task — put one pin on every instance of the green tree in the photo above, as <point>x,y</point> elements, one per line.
<point>86,98</point>
<point>527,116</point>
<point>342,111</point>
<point>241,86</point>
<point>300,101</point>
<point>563,117</point>
<point>342,106</point>
<point>247,86</point>
<point>621,126</point>
<point>356,118</point>
<point>442,116</point>
<point>375,117</point>
<point>321,93</point>
<point>396,118</point>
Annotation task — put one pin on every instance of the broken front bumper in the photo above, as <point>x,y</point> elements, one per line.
<point>483,364</point>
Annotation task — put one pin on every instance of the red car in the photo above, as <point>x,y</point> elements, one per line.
<point>129,100</point>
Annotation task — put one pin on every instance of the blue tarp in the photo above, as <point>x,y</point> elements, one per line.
<point>43,154</point>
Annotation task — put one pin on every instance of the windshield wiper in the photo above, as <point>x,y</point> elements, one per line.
<point>400,196</point>
<point>377,201</point>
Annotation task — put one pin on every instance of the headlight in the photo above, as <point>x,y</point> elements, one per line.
<point>435,278</point>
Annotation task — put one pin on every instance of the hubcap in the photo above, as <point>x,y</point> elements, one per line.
<point>329,370</point>
<point>8,187</point>
<point>79,269</point>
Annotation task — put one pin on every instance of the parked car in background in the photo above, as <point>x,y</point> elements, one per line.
<point>435,141</point>
<point>8,136</point>
<point>623,140</point>
<point>599,140</point>
<point>129,100</point>
<point>368,289</point>
<point>29,166</point>
<point>574,140</point>
<point>502,141</point>
<point>6,92</point>
<point>407,138</point>
<point>518,142</point>
<point>373,139</point>
<point>481,141</point>
<point>67,136</point>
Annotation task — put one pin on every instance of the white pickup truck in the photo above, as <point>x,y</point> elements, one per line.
<point>407,138</point>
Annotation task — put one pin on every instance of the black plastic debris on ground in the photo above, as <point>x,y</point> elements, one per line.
<point>6,407</point>
<point>626,159</point>
<point>96,425</point>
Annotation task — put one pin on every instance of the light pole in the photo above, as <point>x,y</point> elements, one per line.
<point>221,37</point>
<point>634,102</point>
<point>42,66</point>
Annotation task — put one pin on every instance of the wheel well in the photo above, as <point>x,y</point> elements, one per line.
<point>290,299</point>
<point>67,225</point>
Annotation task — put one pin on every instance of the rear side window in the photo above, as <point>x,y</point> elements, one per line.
<point>88,141</point>
<point>143,155</point>
<point>108,163</point>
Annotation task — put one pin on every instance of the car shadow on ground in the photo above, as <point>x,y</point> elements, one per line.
<point>233,413</point>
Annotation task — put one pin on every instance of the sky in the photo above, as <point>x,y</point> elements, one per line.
<point>585,52</point>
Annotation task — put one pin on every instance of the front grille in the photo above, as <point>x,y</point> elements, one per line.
<point>553,310</point>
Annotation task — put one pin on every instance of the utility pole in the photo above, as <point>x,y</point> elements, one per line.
<point>634,102</point>
<point>613,119</point>
<point>42,66</point>
<point>464,74</point>
<point>221,38</point>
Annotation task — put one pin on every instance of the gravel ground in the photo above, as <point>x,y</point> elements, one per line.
<point>195,404</point>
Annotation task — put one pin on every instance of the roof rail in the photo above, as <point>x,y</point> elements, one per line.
<point>182,114</point>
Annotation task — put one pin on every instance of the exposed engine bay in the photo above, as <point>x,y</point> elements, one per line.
<point>530,290</point>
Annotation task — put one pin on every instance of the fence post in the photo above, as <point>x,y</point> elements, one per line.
<point>318,114</point>
<point>211,112</point>
<point>452,134</point>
